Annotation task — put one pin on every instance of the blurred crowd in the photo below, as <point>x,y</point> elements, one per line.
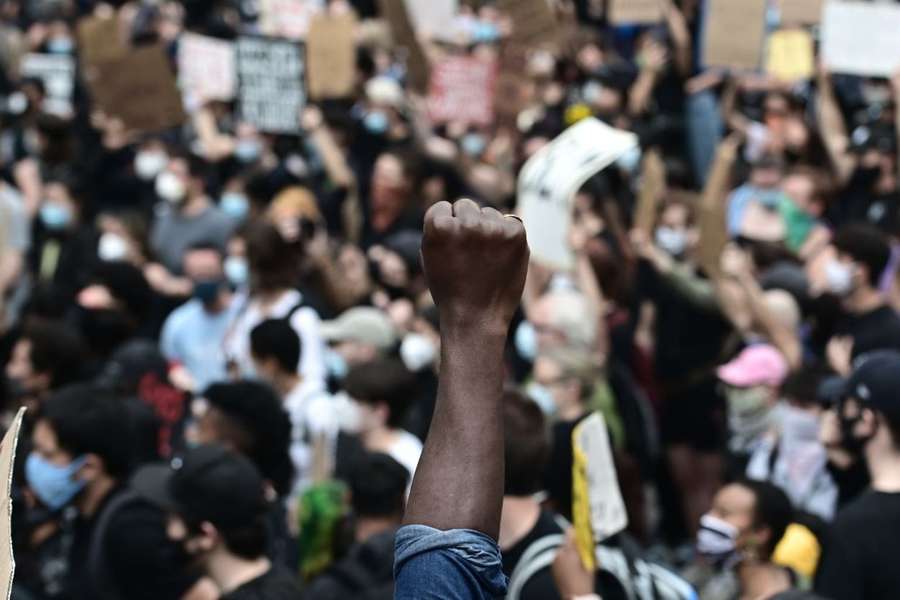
<point>229,354</point>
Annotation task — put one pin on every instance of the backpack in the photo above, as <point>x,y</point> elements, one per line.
<point>102,581</point>
<point>637,578</point>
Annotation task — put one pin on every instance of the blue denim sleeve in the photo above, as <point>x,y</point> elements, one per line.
<point>459,564</point>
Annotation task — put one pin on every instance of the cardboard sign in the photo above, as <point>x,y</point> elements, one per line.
<point>431,17</point>
<point>801,12</point>
<point>271,83</point>
<point>139,88</point>
<point>205,69</point>
<point>57,72</point>
<point>549,180</point>
<point>462,90</point>
<point>859,38</point>
<point>418,66</point>
<point>331,52</point>
<point>288,18</point>
<point>733,33</point>
<point>635,11</point>
<point>534,22</point>
<point>598,510</point>
<point>7,461</point>
<point>790,55</point>
<point>99,40</point>
<point>653,184</point>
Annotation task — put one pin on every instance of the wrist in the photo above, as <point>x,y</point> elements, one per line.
<point>466,327</point>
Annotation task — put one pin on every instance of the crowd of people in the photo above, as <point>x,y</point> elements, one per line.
<point>229,349</point>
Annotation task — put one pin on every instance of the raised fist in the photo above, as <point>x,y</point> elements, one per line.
<point>475,261</point>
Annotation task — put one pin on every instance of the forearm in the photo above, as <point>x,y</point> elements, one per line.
<point>639,96</point>
<point>335,164</point>
<point>834,134</point>
<point>780,336</point>
<point>459,480</point>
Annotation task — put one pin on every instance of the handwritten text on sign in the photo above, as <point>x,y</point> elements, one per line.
<point>462,89</point>
<point>271,80</point>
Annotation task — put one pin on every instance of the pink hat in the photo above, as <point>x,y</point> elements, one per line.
<point>759,364</point>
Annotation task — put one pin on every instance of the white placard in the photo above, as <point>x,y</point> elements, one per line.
<point>608,514</point>
<point>549,180</point>
<point>206,69</point>
<point>432,17</point>
<point>57,72</point>
<point>861,38</point>
<point>7,461</point>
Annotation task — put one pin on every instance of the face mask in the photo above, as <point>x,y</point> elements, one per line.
<point>590,92</point>
<point>235,205</point>
<point>543,397</point>
<point>335,364</point>
<point>717,541</point>
<point>247,151</point>
<point>839,278</point>
<point>60,45</point>
<point>526,341</point>
<point>769,198</point>
<point>17,103</point>
<point>112,247</point>
<point>149,164</point>
<point>749,417</point>
<point>54,486</point>
<point>417,352</point>
<point>207,292</point>
<point>849,440</point>
<point>170,188</point>
<point>672,241</point>
<point>55,217</point>
<point>376,122</point>
<point>472,144</point>
<point>485,33</point>
<point>630,161</point>
<point>236,270</point>
<point>798,425</point>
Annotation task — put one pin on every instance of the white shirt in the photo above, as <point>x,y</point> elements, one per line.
<point>406,450</point>
<point>305,322</point>
<point>312,413</point>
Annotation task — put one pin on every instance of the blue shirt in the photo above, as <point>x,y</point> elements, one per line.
<point>194,337</point>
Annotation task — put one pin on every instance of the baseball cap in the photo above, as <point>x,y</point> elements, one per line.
<point>361,324</point>
<point>875,381</point>
<point>760,364</point>
<point>209,483</point>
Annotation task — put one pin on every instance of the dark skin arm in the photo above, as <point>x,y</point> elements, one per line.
<point>475,261</point>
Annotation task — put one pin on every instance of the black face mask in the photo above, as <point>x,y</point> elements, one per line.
<point>866,177</point>
<point>849,440</point>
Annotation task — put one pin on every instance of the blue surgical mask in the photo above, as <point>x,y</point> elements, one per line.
<point>235,205</point>
<point>543,397</point>
<point>769,198</point>
<point>54,486</point>
<point>237,271</point>
<point>526,341</point>
<point>55,217</point>
<point>336,364</point>
<point>376,122</point>
<point>247,151</point>
<point>673,241</point>
<point>485,33</point>
<point>473,144</point>
<point>60,45</point>
<point>630,161</point>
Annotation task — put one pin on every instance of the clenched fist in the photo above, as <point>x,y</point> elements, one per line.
<point>475,261</point>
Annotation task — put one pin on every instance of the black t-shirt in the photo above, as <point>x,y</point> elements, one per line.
<point>860,557</point>
<point>276,584</point>
<point>875,330</point>
<point>541,586</point>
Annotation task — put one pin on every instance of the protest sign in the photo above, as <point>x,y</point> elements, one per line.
<point>205,69</point>
<point>431,17</point>
<point>7,461</point>
<point>534,22</point>
<point>551,177</point>
<point>139,88</point>
<point>57,72</point>
<point>287,18</point>
<point>653,183</point>
<point>462,90</point>
<point>859,38</point>
<point>417,64</point>
<point>635,11</point>
<point>733,33</point>
<point>271,89</point>
<point>790,55</point>
<point>331,53</point>
<point>99,39</point>
<point>598,510</point>
<point>801,12</point>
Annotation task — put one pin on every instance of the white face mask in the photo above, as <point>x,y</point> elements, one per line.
<point>112,247</point>
<point>797,425</point>
<point>672,241</point>
<point>170,188</point>
<point>148,164</point>
<point>839,277</point>
<point>526,341</point>
<point>717,541</point>
<point>417,352</point>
